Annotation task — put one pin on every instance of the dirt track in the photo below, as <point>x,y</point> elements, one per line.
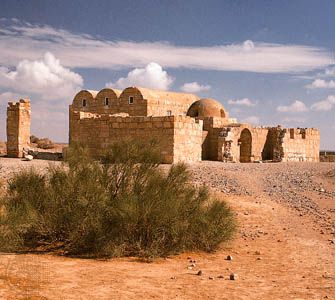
<point>284,248</point>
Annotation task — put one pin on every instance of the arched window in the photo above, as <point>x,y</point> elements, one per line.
<point>84,103</point>
<point>106,102</point>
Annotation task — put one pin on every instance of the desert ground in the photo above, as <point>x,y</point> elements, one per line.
<point>284,247</point>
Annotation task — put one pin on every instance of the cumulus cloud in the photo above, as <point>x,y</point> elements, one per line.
<point>321,84</point>
<point>26,41</point>
<point>296,106</point>
<point>42,80</point>
<point>45,77</point>
<point>152,76</point>
<point>242,102</point>
<point>324,105</point>
<point>194,87</point>
<point>252,120</point>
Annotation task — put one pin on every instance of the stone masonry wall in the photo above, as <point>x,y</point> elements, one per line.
<point>301,144</point>
<point>179,137</point>
<point>18,127</point>
<point>258,139</point>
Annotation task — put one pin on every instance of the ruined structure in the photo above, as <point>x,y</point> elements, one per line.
<point>18,127</point>
<point>187,128</point>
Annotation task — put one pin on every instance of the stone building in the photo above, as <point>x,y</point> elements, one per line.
<point>18,127</point>
<point>186,127</point>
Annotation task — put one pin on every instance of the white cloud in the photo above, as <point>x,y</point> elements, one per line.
<point>294,120</point>
<point>242,102</point>
<point>324,105</point>
<point>20,41</point>
<point>296,106</point>
<point>321,84</point>
<point>330,71</point>
<point>194,87</point>
<point>152,76</point>
<point>252,120</point>
<point>248,45</point>
<point>8,96</point>
<point>46,78</point>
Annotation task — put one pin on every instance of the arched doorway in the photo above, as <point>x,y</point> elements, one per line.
<point>245,146</point>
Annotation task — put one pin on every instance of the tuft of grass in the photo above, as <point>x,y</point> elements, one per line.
<point>122,205</point>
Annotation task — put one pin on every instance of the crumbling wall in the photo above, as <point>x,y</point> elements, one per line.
<point>213,125</point>
<point>233,142</point>
<point>179,137</point>
<point>18,127</point>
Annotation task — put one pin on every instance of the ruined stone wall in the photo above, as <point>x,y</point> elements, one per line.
<point>301,144</point>
<point>18,127</point>
<point>258,140</point>
<point>217,142</point>
<point>213,125</point>
<point>179,138</point>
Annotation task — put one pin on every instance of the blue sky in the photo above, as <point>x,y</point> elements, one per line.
<point>267,62</point>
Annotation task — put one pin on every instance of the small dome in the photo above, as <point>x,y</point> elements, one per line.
<point>207,108</point>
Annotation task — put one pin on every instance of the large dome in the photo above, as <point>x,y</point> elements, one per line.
<point>207,108</point>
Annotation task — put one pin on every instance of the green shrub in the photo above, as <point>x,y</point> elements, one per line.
<point>123,205</point>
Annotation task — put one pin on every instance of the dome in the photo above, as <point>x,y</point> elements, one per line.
<point>207,108</point>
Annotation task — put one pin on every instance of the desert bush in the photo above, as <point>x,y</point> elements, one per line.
<point>123,205</point>
<point>34,139</point>
<point>45,143</point>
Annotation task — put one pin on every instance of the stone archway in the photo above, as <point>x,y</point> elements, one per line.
<point>245,146</point>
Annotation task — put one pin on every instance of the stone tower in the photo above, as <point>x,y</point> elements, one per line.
<point>18,127</point>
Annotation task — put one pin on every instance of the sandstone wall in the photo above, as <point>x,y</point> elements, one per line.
<point>18,127</point>
<point>213,125</point>
<point>258,140</point>
<point>179,138</point>
<point>301,145</point>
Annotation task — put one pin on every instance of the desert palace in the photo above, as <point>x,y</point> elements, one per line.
<point>186,128</point>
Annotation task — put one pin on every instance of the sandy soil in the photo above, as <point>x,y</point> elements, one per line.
<point>284,248</point>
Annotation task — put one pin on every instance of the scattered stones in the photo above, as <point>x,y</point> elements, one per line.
<point>229,257</point>
<point>221,276</point>
<point>233,276</point>
<point>211,278</point>
<point>257,253</point>
<point>199,273</point>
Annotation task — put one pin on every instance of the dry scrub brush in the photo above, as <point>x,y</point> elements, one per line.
<point>122,205</point>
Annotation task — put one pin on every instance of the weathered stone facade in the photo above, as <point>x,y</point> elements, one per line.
<point>18,127</point>
<point>186,127</point>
